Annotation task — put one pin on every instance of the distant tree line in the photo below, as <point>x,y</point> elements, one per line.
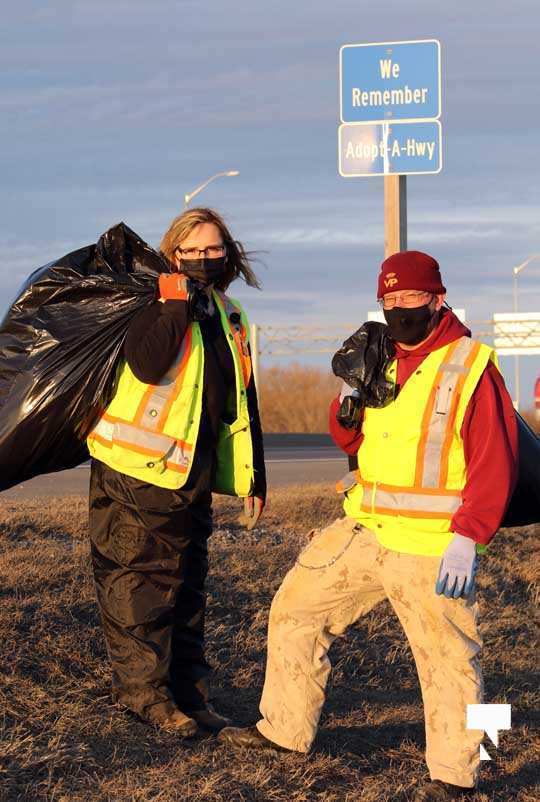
<point>296,398</point>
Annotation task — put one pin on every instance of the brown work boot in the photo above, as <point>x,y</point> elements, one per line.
<point>209,719</point>
<point>438,791</point>
<point>248,738</point>
<point>176,722</point>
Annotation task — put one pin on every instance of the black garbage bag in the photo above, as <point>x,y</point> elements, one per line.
<point>60,344</point>
<point>524,507</point>
<point>362,361</point>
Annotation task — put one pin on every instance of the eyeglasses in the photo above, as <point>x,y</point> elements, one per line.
<point>407,299</point>
<point>210,252</point>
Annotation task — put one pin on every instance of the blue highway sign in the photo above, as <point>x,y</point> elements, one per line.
<point>389,149</point>
<point>389,81</point>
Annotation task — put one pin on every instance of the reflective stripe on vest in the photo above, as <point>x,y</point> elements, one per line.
<point>158,399</point>
<point>175,454</point>
<point>440,414</point>
<point>144,435</point>
<point>238,332</point>
<point>428,497</point>
<point>411,502</point>
<point>408,501</point>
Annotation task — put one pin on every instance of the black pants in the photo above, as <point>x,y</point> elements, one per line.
<point>150,560</point>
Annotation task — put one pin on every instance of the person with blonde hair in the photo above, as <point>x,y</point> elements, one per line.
<point>183,422</point>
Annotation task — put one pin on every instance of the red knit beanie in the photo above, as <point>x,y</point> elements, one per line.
<point>410,270</point>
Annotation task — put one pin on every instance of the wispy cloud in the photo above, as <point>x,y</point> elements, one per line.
<point>449,225</point>
<point>330,238</point>
<point>222,97</point>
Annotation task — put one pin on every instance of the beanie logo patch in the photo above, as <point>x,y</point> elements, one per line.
<point>390,280</point>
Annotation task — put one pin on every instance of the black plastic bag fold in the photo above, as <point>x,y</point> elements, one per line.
<point>524,507</point>
<point>60,344</point>
<point>362,361</point>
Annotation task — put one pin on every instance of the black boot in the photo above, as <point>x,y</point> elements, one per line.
<point>438,791</point>
<point>248,738</point>
<point>177,722</point>
<point>209,719</point>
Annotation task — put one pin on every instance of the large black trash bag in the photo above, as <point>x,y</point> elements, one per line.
<point>362,361</point>
<point>524,507</point>
<point>59,347</point>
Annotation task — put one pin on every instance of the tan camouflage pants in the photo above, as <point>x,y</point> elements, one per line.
<point>341,575</point>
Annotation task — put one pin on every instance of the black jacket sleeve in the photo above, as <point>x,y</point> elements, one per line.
<point>257,441</point>
<point>153,339</point>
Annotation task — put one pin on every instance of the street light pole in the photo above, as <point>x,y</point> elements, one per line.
<point>189,195</point>
<point>516,271</point>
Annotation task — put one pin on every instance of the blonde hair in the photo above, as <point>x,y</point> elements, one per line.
<point>238,260</point>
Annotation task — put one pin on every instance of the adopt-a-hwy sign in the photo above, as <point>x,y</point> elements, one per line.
<point>390,81</point>
<point>390,104</point>
<point>390,149</point>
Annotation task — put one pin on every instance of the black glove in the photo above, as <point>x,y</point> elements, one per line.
<point>199,302</point>
<point>349,413</point>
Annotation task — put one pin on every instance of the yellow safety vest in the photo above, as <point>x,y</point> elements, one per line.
<point>411,462</point>
<point>150,431</point>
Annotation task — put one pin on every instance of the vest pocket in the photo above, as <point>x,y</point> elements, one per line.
<point>234,460</point>
<point>129,458</point>
<point>137,448</point>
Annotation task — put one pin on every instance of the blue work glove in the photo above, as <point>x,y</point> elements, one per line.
<point>457,569</point>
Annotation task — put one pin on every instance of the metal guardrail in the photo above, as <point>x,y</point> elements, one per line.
<point>278,341</point>
<point>295,340</point>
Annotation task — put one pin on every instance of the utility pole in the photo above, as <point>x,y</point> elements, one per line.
<point>516,271</point>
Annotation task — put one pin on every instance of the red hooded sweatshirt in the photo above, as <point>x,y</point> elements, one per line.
<point>489,433</point>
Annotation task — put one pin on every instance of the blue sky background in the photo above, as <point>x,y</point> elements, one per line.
<point>113,110</point>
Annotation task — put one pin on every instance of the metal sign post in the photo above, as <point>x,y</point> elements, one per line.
<point>395,214</point>
<point>390,104</point>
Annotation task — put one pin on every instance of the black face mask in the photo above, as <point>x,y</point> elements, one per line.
<point>203,271</point>
<point>408,326</point>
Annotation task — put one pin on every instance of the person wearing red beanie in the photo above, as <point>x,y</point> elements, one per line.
<point>435,468</point>
<point>411,294</point>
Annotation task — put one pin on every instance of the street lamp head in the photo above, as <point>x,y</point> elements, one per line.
<point>196,191</point>
<point>527,261</point>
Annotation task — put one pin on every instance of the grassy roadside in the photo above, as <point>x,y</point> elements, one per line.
<point>62,739</point>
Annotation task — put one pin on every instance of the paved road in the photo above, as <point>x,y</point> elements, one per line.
<point>290,459</point>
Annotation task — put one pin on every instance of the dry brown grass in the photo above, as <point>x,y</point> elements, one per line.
<point>63,740</point>
<point>296,398</point>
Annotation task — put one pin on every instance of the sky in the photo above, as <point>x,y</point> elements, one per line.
<point>114,110</point>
